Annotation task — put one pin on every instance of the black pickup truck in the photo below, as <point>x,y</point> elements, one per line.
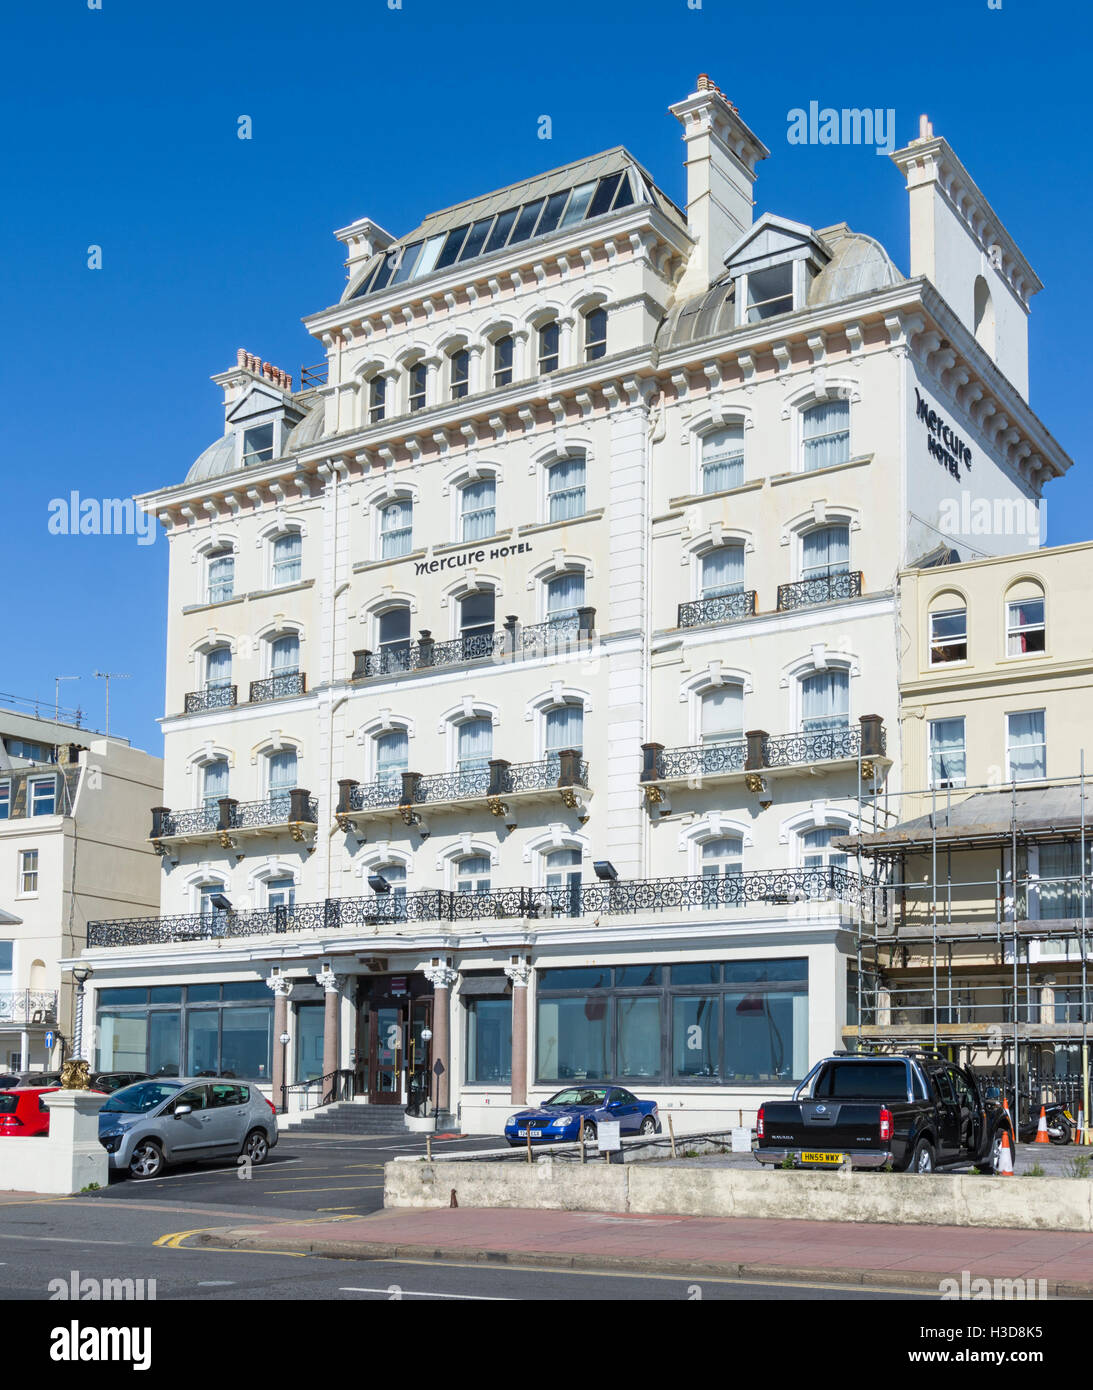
<point>914,1111</point>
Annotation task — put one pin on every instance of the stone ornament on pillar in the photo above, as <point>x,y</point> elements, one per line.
<point>281,986</point>
<point>519,974</point>
<point>440,976</point>
<point>330,981</point>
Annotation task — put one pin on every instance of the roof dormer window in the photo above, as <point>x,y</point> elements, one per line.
<point>258,444</point>
<point>769,292</point>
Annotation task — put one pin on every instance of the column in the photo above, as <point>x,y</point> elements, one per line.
<point>475,381</point>
<point>566,347</point>
<point>520,366</point>
<point>331,984</point>
<point>432,380</point>
<point>281,987</point>
<point>441,977</point>
<point>519,972</point>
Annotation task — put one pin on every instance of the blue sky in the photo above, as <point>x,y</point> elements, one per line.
<point>119,130</point>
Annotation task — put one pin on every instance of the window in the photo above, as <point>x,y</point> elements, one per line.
<point>564,728</point>
<point>28,871</point>
<point>825,551</point>
<point>281,773</point>
<point>562,873</point>
<point>722,459</point>
<point>1025,629</point>
<point>221,575</point>
<point>722,714</point>
<point>770,292</point>
<point>1026,745</point>
<point>473,874</point>
<point>565,489</point>
<point>825,701</point>
<point>564,596</point>
<point>723,857</point>
<point>377,399</point>
<point>502,361</point>
<point>477,509</point>
<point>460,373</point>
<point>231,1033</point>
<point>476,616</point>
<point>595,334</point>
<point>392,757</point>
<point>218,668</point>
<point>396,528</point>
<point>947,753</point>
<point>723,571</point>
<point>32,752</point>
<point>416,385</point>
<point>258,445</point>
<point>280,892</point>
<point>5,800</point>
<point>43,796</point>
<point>1060,880</point>
<point>214,783</point>
<point>489,1039</point>
<point>285,655</point>
<point>393,629</point>
<point>395,874</point>
<point>948,636</point>
<point>474,745</point>
<point>826,434</point>
<point>548,348</point>
<point>287,562</point>
<point>816,851</point>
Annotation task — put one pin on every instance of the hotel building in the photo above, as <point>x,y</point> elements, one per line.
<point>525,661</point>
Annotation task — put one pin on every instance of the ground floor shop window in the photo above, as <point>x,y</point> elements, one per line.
<point>721,1022</point>
<point>215,1030</point>
<point>310,1020</point>
<point>489,1040</point>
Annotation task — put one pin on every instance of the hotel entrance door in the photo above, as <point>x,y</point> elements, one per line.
<point>387,1053</point>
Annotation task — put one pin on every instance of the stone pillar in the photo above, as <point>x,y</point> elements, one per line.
<point>281,987</point>
<point>567,356</point>
<point>71,1158</point>
<point>755,757</point>
<point>332,999</point>
<point>441,976</point>
<point>519,973</point>
<point>1047,999</point>
<point>475,380</point>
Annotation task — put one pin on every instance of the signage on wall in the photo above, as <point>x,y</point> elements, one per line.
<point>398,984</point>
<point>942,441</point>
<point>470,557</point>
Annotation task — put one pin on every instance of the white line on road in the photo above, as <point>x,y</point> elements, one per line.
<point>65,1240</point>
<point>390,1289</point>
<point>216,1283</point>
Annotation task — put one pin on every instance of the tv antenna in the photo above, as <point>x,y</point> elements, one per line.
<point>109,676</point>
<point>57,694</point>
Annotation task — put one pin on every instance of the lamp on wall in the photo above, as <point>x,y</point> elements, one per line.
<point>220,902</point>
<point>606,870</point>
<point>378,883</point>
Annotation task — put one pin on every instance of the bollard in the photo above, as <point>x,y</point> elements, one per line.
<point>672,1136</point>
<point>429,1148</point>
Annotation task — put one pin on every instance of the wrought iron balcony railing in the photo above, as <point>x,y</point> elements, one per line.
<point>774,887</point>
<point>291,808</point>
<point>722,608</point>
<point>701,760</point>
<point>498,778</point>
<point>278,687</point>
<point>758,752</point>
<point>822,588</point>
<point>508,643</point>
<point>28,1006</point>
<point>212,697</point>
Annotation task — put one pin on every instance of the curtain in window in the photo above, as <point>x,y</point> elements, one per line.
<point>1027,751</point>
<point>215,781</point>
<point>565,595</point>
<point>221,577</point>
<point>282,772</point>
<point>826,551</point>
<point>396,528</point>
<point>723,856</point>
<point>723,714</point>
<point>1061,862</point>
<point>826,434</point>
<point>565,485</point>
<point>392,756</point>
<point>473,874</point>
<point>947,761</point>
<point>825,701</point>
<point>286,656</point>
<point>817,850</point>
<point>395,874</point>
<point>723,459</point>
<point>475,744</point>
<point>564,728</point>
<point>287,553</point>
<point>723,571</point>
<point>477,503</point>
<point>218,666</point>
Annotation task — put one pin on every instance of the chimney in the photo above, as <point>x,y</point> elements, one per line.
<point>721,157</point>
<point>362,239</point>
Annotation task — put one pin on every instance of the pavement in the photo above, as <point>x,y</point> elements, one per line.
<point>909,1258</point>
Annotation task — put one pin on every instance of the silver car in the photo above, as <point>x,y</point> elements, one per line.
<point>164,1120</point>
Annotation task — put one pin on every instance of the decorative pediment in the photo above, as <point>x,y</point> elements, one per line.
<point>257,401</point>
<point>773,239</point>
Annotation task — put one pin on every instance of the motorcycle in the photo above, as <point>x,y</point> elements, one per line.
<point>1061,1124</point>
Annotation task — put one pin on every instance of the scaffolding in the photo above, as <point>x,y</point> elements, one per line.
<point>958,963</point>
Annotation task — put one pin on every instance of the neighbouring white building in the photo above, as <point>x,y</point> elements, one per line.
<point>523,664</point>
<point>72,847</point>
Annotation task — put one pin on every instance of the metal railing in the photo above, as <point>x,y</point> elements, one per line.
<point>425,654</point>
<point>278,687</point>
<point>227,814</point>
<point>212,697</point>
<point>823,588</point>
<point>961,1004</point>
<point>701,760</point>
<point>721,608</point>
<point>28,1006</point>
<point>815,746</point>
<point>320,1090</point>
<point>555,635</point>
<point>499,778</point>
<point>314,376</point>
<point>758,750</point>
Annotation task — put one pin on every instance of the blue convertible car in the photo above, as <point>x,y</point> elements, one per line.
<point>560,1116</point>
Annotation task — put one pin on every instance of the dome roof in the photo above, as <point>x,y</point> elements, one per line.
<point>858,265</point>
<point>218,459</point>
<point>308,430</point>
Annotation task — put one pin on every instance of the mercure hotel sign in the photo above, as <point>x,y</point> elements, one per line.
<point>942,441</point>
<point>470,557</point>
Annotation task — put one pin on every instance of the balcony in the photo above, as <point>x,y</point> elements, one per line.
<point>758,756</point>
<point>511,642</point>
<point>500,787</point>
<point>846,892</point>
<point>723,608</point>
<point>227,821</point>
<point>212,697</point>
<point>823,588</point>
<point>278,687</point>
<point>24,1008</point>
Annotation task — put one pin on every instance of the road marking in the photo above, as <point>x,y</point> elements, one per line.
<point>173,1240</point>
<point>64,1240</point>
<point>300,1191</point>
<point>215,1283</point>
<point>415,1293</point>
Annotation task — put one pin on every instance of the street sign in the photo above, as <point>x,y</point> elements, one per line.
<point>609,1136</point>
<point>49,1041</point>
<point>438,1067</point>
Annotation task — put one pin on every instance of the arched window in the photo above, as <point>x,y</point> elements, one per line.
<point>722,459</point>
<point>722,714</point>
<point>377,399</point>
<point>723,571</point>
<point>548,348</point>
<point>392,757</point>
<point>562,876</point>
<point>393,627</point>
<point>284,655</point>
<point>220,575</point>
<point>416,385</point>
<point>1026,619</point>
<point>396,528</point>
<point>218,667</point>
<point>564,728</point>
<point>564,596</point>
<point>460,373</point>
<point>394,875</point>
<point>474,745</point>
<point>825,701</point>
<point>825,550</point>
<point>287,559</point>
<point>816,850</point>
<point>478,509</point>
<point>280,892</point>
<point>205,894</point>
<point>565,489</point>
<point>723,857</point>
<point>472,874</point>
<point>595,334</point>
<point>214,783</point>
<point>825,434</point>
<point>948,630</point>
<point>281,773</point>
<point>502,361</point>
<point>476,619</point>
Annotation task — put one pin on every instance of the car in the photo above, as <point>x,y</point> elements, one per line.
<point>111,1081</point>
<point>560,1117</point>
<point>23,1112</point>
<point>152,1123</point>
<point>41,1079</point>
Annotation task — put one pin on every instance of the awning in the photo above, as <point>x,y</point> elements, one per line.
<point>484,984</point>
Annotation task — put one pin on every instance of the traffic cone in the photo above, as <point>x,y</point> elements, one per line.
<point>1005,1158</point>
<point>1079,1129</point>
<point>1042,1136</point>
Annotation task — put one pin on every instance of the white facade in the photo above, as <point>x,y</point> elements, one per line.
<point>621,503</point>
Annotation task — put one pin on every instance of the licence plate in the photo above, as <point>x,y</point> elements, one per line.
<point>822,1158</point>
<point>535,1133</point>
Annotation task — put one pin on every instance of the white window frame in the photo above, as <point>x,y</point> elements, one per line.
<point>593,349</point>
<point>550,494</point>
<point>701,464</point>
<point>383,535</point>
<point>26,873</point>
<point>33,783</point>
<point>932,646</point>
<point>5,799</point>
<point>803,411</point>
<point>275,582</point>
<point>476,877</point>
<point>212,557</point>
<point>1017,630</point>
<point>945,783</point>
<point>1039,776</point>
<point>464,513</point>
<point>829,524</point>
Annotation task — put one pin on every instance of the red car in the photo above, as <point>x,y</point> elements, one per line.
<point>24,1112</point>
